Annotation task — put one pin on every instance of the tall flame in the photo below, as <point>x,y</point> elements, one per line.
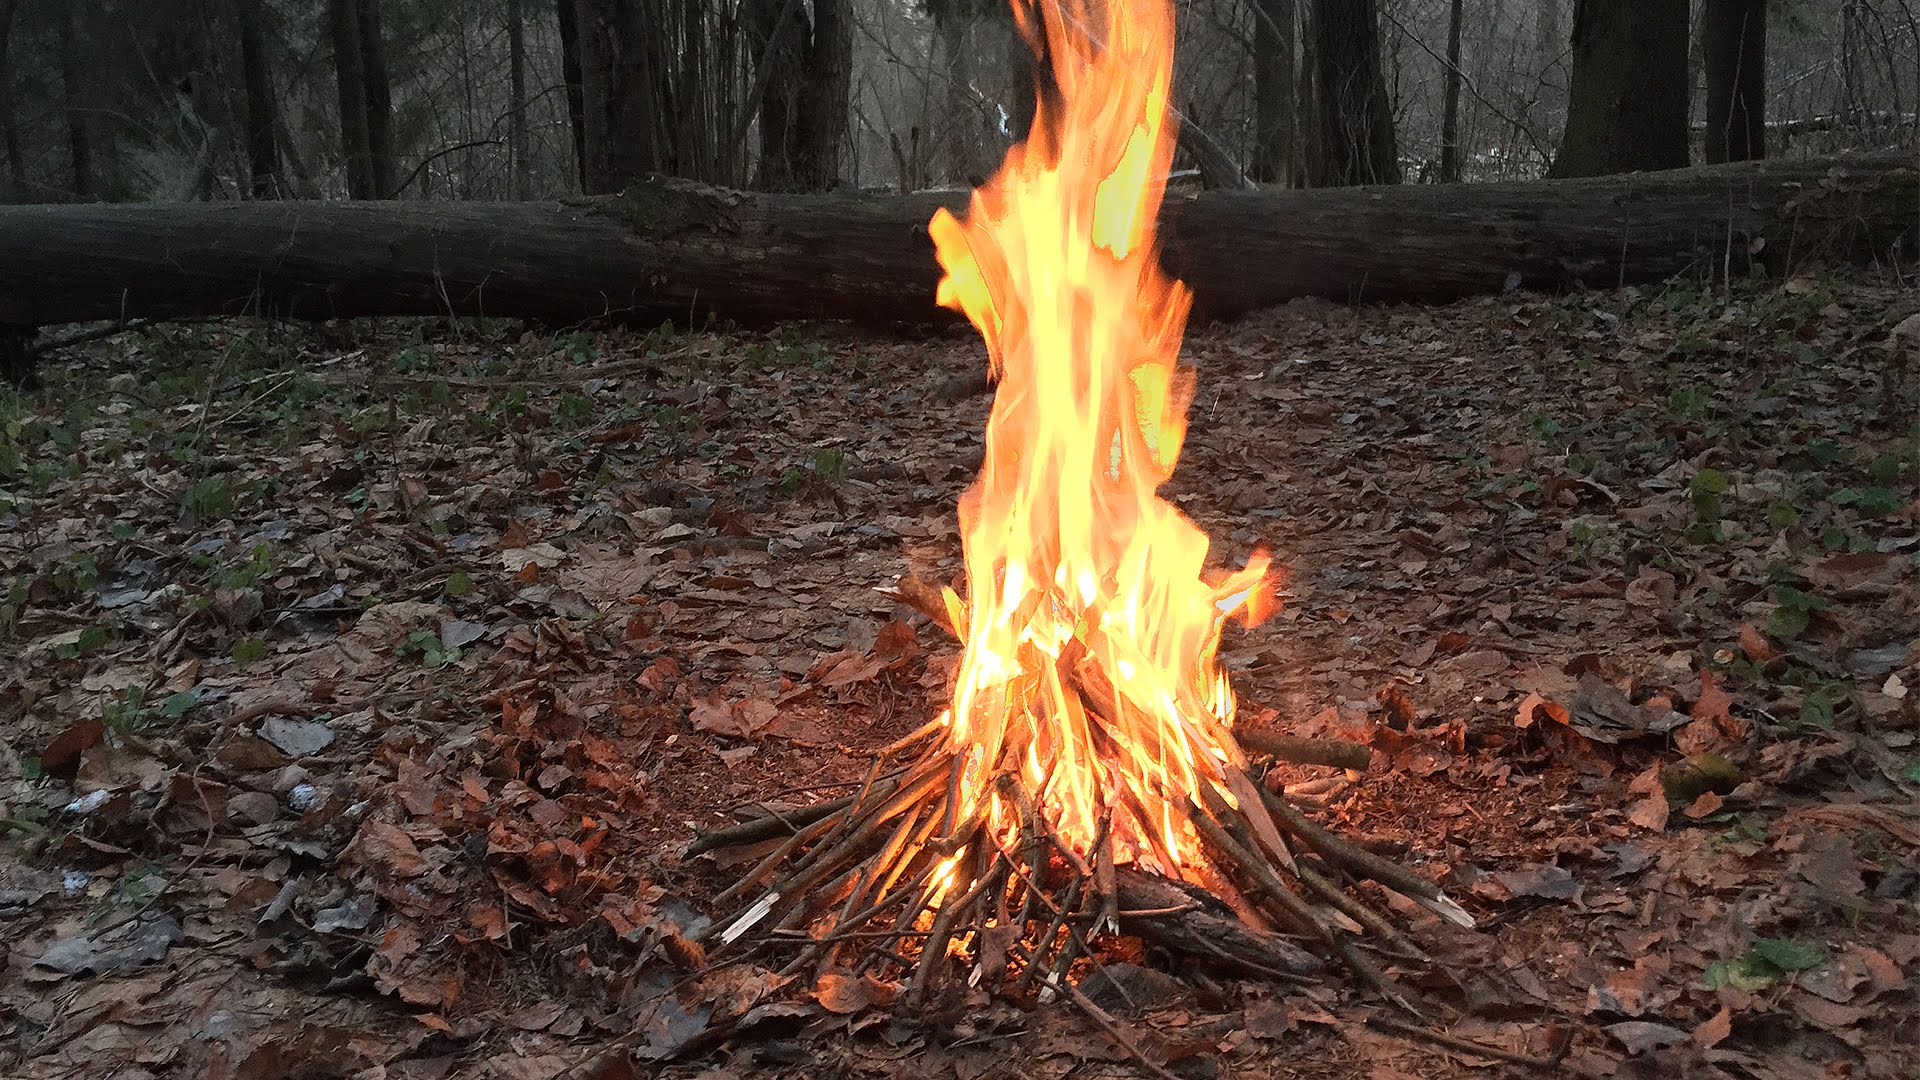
<point>1090,621</point>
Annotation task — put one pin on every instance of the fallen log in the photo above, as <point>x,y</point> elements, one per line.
<point>673,250</point>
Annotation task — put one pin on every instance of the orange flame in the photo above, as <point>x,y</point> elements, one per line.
<point>1091,623</point>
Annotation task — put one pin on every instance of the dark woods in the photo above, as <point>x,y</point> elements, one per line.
<point>518,99</point>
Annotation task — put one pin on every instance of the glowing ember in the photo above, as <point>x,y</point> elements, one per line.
<point>1090,623</point>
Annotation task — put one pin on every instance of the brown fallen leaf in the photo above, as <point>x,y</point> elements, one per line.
<point>61,757</point>
<point>384,846</point>
<point>849,994</point>
<point>1714,1030</point>
<point>1706,805</point>
<point>1533,703</point>
<point>1651,813</point>
<point>1756,646</point>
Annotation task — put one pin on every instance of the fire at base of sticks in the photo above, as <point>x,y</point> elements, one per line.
<point>871,883</point>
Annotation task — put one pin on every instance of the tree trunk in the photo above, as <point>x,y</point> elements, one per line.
<point>373,59</point>
<point>779,31</point>
<point>1356,117</point>
<point>263,111</point>
<point>824,97</point>
<point>1273,105</point>
<point>576,93</point>
<point>1627,107</point>
<point>1033,60</point>
<point>1734,43</point>
<point>1450,117</point>
<point>617,85</point>
<point>671,249</point>
<point>9,122</point>
<point>350,75</point>
<point>73,98</point>
<point>517,101</point>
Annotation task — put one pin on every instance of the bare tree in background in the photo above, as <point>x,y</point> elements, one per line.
<point>1355,115</point>
<point>1734,52</point>
<point>576,92</point>
<point>263,111</point>
<point>621,115</point>
<point>1450,110</point>
<point>1627,106</point>
<point>1273,83</point>
<point>9,119</point>
<point>350,76</point>
<point>73,97</point>
<point>803,71</point>
<point>379,92</point>
<point>517,101</point>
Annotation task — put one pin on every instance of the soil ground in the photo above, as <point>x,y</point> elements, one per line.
<point>363,684</point>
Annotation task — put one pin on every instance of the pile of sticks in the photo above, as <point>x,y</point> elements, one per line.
<point>906,878</point>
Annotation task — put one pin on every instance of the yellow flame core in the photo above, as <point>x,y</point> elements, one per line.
<point>1091,622</point>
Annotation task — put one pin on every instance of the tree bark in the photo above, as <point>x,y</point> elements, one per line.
<point>1356,118</point>
<point>617,83</point>
<point>1627,106</point>
<point>675,250</point>
<point>9,121</point>
<point>1450,116</point>
<point>379,89</point>
<point>263,110</point>
<point>73,98</point>
<point>1273,104</point>
<point>825,95</point>
<point>350,82</point>
<point>517,101</point>
<point>1734,47</point>
<point>576,93</point>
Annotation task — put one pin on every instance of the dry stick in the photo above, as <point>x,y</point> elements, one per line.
<point>1337,753</point>
<point>1365,863</point>
<point>1375,922</point>
<point>880,865</point>
<point>935,948</point>
<point>1114,1031</point>
<point>774,824</point>
<point>772,862</point>
<point>1289,905</point>
<point>1467,1046</point>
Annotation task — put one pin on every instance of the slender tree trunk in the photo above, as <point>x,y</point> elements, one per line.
<point>517,100</point>
<point>350,81</point>
<point>73,97</point>
<point>1356,117</point>
<point>1450,118</point>
<point>373,59</point>
<point>9,122</point>
<point>263,110</point>
<point>825,96</point>
<point>1734,46</point>
<point>1273,99</point>
<point>957,142</point>
<point>576,95</point>
<point>1627,106</point>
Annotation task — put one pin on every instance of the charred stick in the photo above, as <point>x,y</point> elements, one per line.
<point>1337,753</point>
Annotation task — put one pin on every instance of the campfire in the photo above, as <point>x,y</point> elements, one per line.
<point>1086,779</point>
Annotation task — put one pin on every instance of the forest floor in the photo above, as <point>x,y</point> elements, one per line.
<point>362,685</point>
